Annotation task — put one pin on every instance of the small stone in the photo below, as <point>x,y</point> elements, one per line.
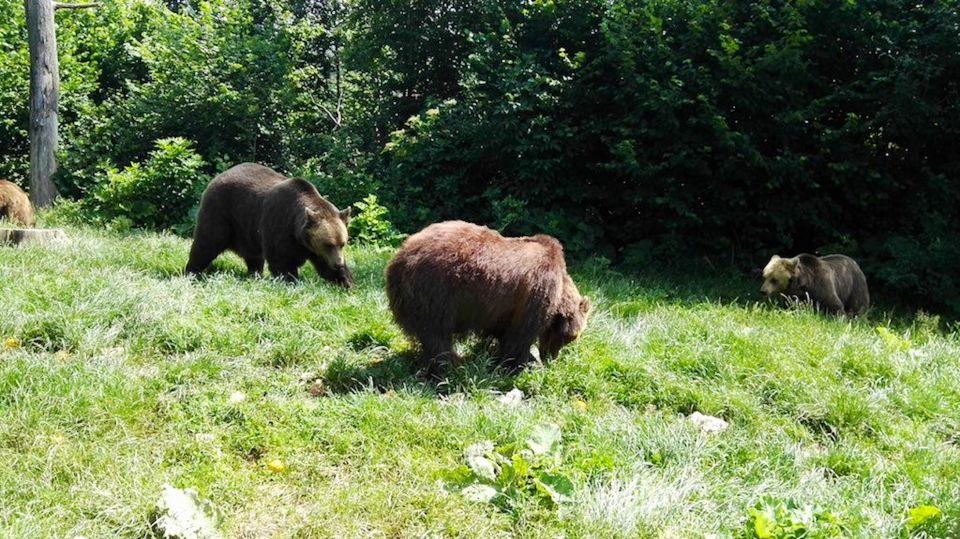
<point>204,437</point>
<point>317,388</point>
<point>708,423</point>
<point>512,397</point>
<point>237,397</point>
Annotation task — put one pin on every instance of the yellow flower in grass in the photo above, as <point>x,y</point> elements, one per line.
<point>10,343</point>
<point>276,466</point>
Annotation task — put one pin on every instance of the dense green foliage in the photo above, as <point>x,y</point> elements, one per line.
<point>158,195</point>
<point>296,411</point>
<point>647,131</point>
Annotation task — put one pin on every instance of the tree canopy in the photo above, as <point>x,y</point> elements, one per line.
<point>645,131</point>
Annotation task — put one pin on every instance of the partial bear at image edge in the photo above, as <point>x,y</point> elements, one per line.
<point>264,216</point>
<point>456,278</point>
<point>15,204</point>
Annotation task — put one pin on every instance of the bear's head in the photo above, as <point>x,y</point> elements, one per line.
<point>780,275</point>
<point>567,323</point>
<point>325,231</point>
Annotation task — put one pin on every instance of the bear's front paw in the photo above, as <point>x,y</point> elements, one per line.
<point>343,277</point>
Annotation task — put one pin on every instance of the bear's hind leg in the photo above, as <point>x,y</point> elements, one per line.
<point>285,273</point>
<point>831,304</point>
<point>436,350</point>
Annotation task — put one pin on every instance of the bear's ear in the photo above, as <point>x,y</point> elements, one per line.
<point>791,265</point>
<point>313,216</point>
<point>345,215</point>
<point>584,305</point>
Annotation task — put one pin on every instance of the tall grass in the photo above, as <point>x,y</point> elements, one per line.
<point>121,375</point>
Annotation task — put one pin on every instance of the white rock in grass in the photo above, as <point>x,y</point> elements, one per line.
<point>181,514</point>
<point>512,397</point>
<point>708,423</point>
<point>237,397</point>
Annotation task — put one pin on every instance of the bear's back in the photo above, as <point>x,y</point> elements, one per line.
<point>474,268</point>
<point>299,193</point>
<point>250,178</point>
<point>462,244</point>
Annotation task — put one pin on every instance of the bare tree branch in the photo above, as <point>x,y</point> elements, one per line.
<point>336,119</point>
<point>59,5</point>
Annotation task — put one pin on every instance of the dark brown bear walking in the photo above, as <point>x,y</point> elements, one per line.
<point>15,204</point>
<point>262,215</point>
<point>455,278</point>
<point>834,283</point>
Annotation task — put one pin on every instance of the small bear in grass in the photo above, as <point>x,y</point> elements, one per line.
<point>264,216</point>
<point>15,204</point>
<point>834,283</point>
<point>455,278</point>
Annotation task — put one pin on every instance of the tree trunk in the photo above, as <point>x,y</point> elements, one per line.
<point>44,98</point>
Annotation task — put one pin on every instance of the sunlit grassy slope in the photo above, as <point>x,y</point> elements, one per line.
<point>124,376</point>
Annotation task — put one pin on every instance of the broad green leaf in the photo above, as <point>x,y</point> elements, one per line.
<point>763,525</point>
<point>916,516</point>
<point>520,466</point>
<point>891,340</point>
<point>556,487</point>
<point>543,438</point>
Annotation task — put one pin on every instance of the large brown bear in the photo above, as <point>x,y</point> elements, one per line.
<point>262,215</point>
<point>834,283</point>
<point>15,204</point>
<point>455,278</point>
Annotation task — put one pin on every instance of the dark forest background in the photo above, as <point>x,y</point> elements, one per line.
<point>648,132</point>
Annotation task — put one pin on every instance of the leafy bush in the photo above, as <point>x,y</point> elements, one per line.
<point>370,225</point>
<point>159,194</point>
<point>66,212</point>
<point>508,475</point>
<point>725,129</point>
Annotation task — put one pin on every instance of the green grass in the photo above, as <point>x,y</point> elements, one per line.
<point>123,378</point>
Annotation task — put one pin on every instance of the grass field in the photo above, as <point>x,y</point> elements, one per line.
<point>118,376</point>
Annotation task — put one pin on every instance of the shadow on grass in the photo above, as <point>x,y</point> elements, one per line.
<point>384,370</point>
<point>367,270</point>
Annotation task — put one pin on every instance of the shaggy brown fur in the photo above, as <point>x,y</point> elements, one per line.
<point>262,215</point>
<point>15,204</point>
<point>455,278</point>
<point>834,283</point>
